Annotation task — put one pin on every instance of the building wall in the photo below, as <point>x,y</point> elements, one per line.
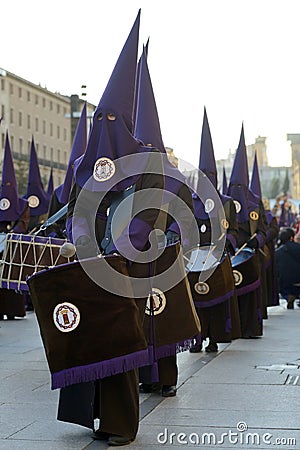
<point>30,110</point>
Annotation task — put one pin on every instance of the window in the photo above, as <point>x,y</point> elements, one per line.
<point>20,118</point>
<point>58,109</point>
<point>21,145</point>
<point>20,92</point>
<point>65,157</point>
<point>2,84</point>
<point>58,132</point>
<point>51,129</point>
<point>11,115</point>
<point>44,102</point>
<point>58,156</point>
<point>51,105</point>
<point>12,141</point>
<point>37,148</point>
<point>44,126</point>
<point>36,99</point>
<point>65,134</point>
<point>36,124</point>
<point>51,154</point>
<point>2,140</point>
<point>28,121</point>
<point>28,96</point>
<point>11,88</point>
<point>45,151</point>
<point>2,111</point>
<point>28,147</point>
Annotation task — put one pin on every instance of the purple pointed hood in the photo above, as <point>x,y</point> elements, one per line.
<point>37,197</point>
<point>224,185</point>
<point>147,126</point>
<point>50,187</point>
<point>239,181</point>
<point>78,149</point>
<point>207,162</point>
<point>111,135</point>
<point>255,185</point>
<point>11,206</point>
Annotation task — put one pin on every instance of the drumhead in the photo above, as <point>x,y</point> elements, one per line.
<point>243,256</point>
<point>200,259</point>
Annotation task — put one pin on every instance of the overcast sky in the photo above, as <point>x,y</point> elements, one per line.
<point>239,58</point>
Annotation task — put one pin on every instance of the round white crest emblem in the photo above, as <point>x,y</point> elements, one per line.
<point>238,277</point>
<point>209,205</point>
<point>33,201</point>
<point>238,206</point>
<point>158,302</point>
<point>202,288</point>
<point>203,228</point>
<point>66,317</point>
<point>4,204</point>
<point>104,169</point>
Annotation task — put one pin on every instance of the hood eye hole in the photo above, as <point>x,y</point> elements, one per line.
<point>111,116</point>
<point>100,116</point>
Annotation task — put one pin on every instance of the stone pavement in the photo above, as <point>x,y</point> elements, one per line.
<point>247,396</point>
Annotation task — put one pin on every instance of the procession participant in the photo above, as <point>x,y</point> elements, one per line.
<point>14,218</point>
<point>60,196</point>
<point>287,256</point>
<point>251,234</point>
<point>174,221</point>
<point>270,292</point>
<point>216,220</point>
<point>37,198</point>
<point>114,399</point>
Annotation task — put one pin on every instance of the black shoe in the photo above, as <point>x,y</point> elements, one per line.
<point>197,348</point>
<point>149,388</point>
<point>168,391</point>
<point>212,348</point>
<point>290,301</point>
<point>100,435</point>
<point>115,440</point>
<point>10,317</point>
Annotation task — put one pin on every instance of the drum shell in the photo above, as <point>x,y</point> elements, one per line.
<point>26,254</point>
<point>219,285</point>
<point>179,320</point>
<point>109,326</point>
<point>246,273</point>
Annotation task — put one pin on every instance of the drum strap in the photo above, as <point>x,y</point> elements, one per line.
<point>54,218</point>
<point>107,242</point>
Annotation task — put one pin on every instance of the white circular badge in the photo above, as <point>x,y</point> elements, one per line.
<point>33,201</point>
<point>203,228</point>
<point>104,169</point>
<point>4,204</point>
<point>209,205</point>
<point>238,206</point>
<point>158,300</point>
<point>66,317</point>
<point>238,277</point>
<point>202,288</point>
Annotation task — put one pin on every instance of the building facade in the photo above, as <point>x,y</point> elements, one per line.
<point>29,110</point>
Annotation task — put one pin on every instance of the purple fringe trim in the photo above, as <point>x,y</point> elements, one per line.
<point>249,288</point>
<point>102,369</point>
<point>214,301</point>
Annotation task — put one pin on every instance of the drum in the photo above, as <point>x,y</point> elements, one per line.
<point>245,267</point>
<point>26,254</point>
<point>88,332</point>
<point>169,317</point>
<point>211,280</point>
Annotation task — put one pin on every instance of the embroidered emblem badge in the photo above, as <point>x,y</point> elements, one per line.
<point>203,228</point>
<point>4,204</point>
<point>238,277</point>
<point>238,206</point>
<point>66,317</point>
<point>209,205</point>
<point>202,288</point>
<point>33,201</point>
<point>158,302</point>
<point>225,224</point>
<point>104,169</point>
<point>253,215</point>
